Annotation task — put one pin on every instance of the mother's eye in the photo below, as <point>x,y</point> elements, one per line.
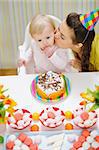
<point>62,37</point>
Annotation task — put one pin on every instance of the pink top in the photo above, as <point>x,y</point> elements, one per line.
<point>38,62</point>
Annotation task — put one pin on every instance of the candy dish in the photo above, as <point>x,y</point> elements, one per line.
<point>20,120</point>
<point>86,119</point>
<point>52,117</point>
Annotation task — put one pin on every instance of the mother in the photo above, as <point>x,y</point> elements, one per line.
<point>75,34</point>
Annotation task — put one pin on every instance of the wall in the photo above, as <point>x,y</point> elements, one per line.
<point>15,14</point>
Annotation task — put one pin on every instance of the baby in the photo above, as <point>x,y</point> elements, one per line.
<point>43,54</point>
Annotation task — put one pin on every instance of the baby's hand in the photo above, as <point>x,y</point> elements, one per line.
<point>50,51</point>
<point>76,64</point>
<point>21,62</point>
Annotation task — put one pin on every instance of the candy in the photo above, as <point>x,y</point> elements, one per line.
<point>88,123</point>
<point>58,123</point>
<point>35,116</point>
<point>80,148</point>
<point>27,123</point>
<point>18,116</point>
<point>19,111</point>
<point>85,119</point>
<point>92,115</point>
<point>44,115</point>
<point>16,147</point>
<point>51,115</point>
<point>91,148</point>
<point>85,133</point>
<point>12,119</point>
<point>84,115</point>
<point>28,141</point>
<point>58,112</point>
<point>86,145</point>
<point>83,103</point>
<point>81,125</point>
<point>22,119</point>
<point>22,137</point>
<point>13,125</point>
<point>52,125</point>
<point>81,139</point>
<point>45,123</point>
<point>26,117</point>
<point>35,128</point>
<point>10,145</point>
<point>68,126</point>
<point>72,148</point>
<point>17,142</point>
<point>24,147</point>
<point>94,133</point>
<point>89,139</point>
<point>77,144</point>
<point>11,138</point>
<point>95,144</point>
<point>34,147</point>
<point>49,120</point>
<point>20,123</point>
<point>69,115</point>
<point>97,138</point>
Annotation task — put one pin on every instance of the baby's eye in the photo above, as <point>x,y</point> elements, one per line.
<point>48,37</point>
<point>39,40</point>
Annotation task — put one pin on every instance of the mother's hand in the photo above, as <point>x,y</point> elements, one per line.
<point>76,63</point>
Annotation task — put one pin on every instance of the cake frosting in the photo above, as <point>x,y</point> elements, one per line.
<point>50,85</point>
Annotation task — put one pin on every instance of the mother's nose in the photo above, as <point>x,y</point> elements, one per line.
<point>57,34</point>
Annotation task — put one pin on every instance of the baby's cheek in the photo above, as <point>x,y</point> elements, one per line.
<point>40,45</point>
<point>52,41</point>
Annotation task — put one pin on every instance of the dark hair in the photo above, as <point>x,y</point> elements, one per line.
<point>73,22</point>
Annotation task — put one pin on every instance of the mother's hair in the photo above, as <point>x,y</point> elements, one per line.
<point>73,22</point>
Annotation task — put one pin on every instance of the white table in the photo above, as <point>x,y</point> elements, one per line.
<point>19,89</point>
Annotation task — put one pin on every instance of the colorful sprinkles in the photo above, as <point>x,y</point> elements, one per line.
<point>59,98</point>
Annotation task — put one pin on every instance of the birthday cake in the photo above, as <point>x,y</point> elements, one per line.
<point>50,85</point>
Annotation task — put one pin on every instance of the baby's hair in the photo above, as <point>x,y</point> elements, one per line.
<point>38,24</point>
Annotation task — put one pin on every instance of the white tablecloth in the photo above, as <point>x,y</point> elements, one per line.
<point>19,89</point>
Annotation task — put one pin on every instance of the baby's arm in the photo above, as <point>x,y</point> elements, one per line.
<point>25,57</point>
<point>58,59</point>
<point>63,59</point>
